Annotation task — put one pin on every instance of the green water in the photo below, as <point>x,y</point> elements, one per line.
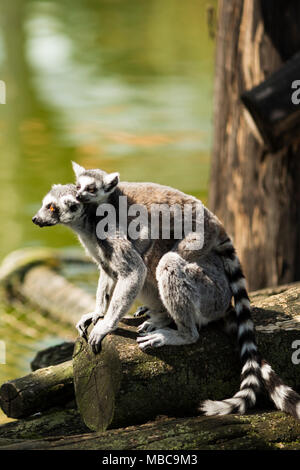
<point>120,85</point>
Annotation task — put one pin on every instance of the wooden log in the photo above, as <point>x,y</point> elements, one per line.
<point>57,422</point>
<point>123,386</point>
<point>31,274</point>
<point>52,356</point>
<point>275,112</point>
<point>38,391</point>
<point>52,292</point>
<point>262,431</point>
<point>254,192</point>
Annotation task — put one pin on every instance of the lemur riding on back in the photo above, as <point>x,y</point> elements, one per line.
<point>190,287</point>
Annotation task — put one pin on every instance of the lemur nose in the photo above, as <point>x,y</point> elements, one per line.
<point>35,220</point>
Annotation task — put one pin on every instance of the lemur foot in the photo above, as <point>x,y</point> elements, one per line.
<point>146,327</point>
<point>141,311</point>
<point>153,340</point>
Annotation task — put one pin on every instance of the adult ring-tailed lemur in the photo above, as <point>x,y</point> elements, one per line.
<point>177,282</point>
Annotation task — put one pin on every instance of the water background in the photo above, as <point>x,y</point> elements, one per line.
<point>119,85</point>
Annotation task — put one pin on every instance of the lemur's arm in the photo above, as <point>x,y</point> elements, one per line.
<point>131,277</point>
<point>104,293</point>
<point>105,289</point>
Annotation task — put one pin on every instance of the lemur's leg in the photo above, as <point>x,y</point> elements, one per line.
<point>194,294</point>
<point>105,289</point>
<point>104,292</point>
<point>128,285</point>
<point>156,311</point>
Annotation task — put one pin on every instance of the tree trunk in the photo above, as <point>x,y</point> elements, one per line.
<point>264,431</point>
<point>254,192</point>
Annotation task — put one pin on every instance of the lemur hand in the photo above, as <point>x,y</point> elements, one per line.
<point>83,324</point>
<point>96,317</point>
<point>100,330</point>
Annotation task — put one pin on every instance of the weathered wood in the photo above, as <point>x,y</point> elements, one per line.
<point>52,356</point>
<point>57,422</point>
<point>124,386</point>
<point>263,431</point>
<point>38,391</point>
<point>270,103</point>
<point>255,193</point>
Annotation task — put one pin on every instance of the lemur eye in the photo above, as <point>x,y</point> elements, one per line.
<point>51,207</point>
<point>78,187</point>
<point>92,189</point>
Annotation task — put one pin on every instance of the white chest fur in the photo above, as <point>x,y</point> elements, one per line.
<point>89,242</point>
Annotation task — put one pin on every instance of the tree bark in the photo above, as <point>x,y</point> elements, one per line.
<point>264,431</point>
<point>38,391</point>
<point>254,192</point>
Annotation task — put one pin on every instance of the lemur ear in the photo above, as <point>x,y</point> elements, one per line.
<point>78,170</point>
<point>110,181</point>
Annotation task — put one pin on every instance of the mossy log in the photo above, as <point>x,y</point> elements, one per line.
<point>264,431</point>
<point>55,422</point>
<point>123,386</point>
<point>52,356</point>
<point>38,391</point>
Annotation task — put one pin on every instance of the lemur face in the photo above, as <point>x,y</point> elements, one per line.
<point>59,206</point>
<point>94,186</point>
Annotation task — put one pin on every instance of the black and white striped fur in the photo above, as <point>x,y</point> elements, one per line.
<point>256,372</point>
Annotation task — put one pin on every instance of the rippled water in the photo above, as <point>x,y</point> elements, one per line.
<point>124,86</point>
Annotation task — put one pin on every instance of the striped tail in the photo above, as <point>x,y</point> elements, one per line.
<point>256,373</point>
<point>284,397</point>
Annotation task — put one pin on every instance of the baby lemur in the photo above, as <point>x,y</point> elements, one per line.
<point>177,282</point>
